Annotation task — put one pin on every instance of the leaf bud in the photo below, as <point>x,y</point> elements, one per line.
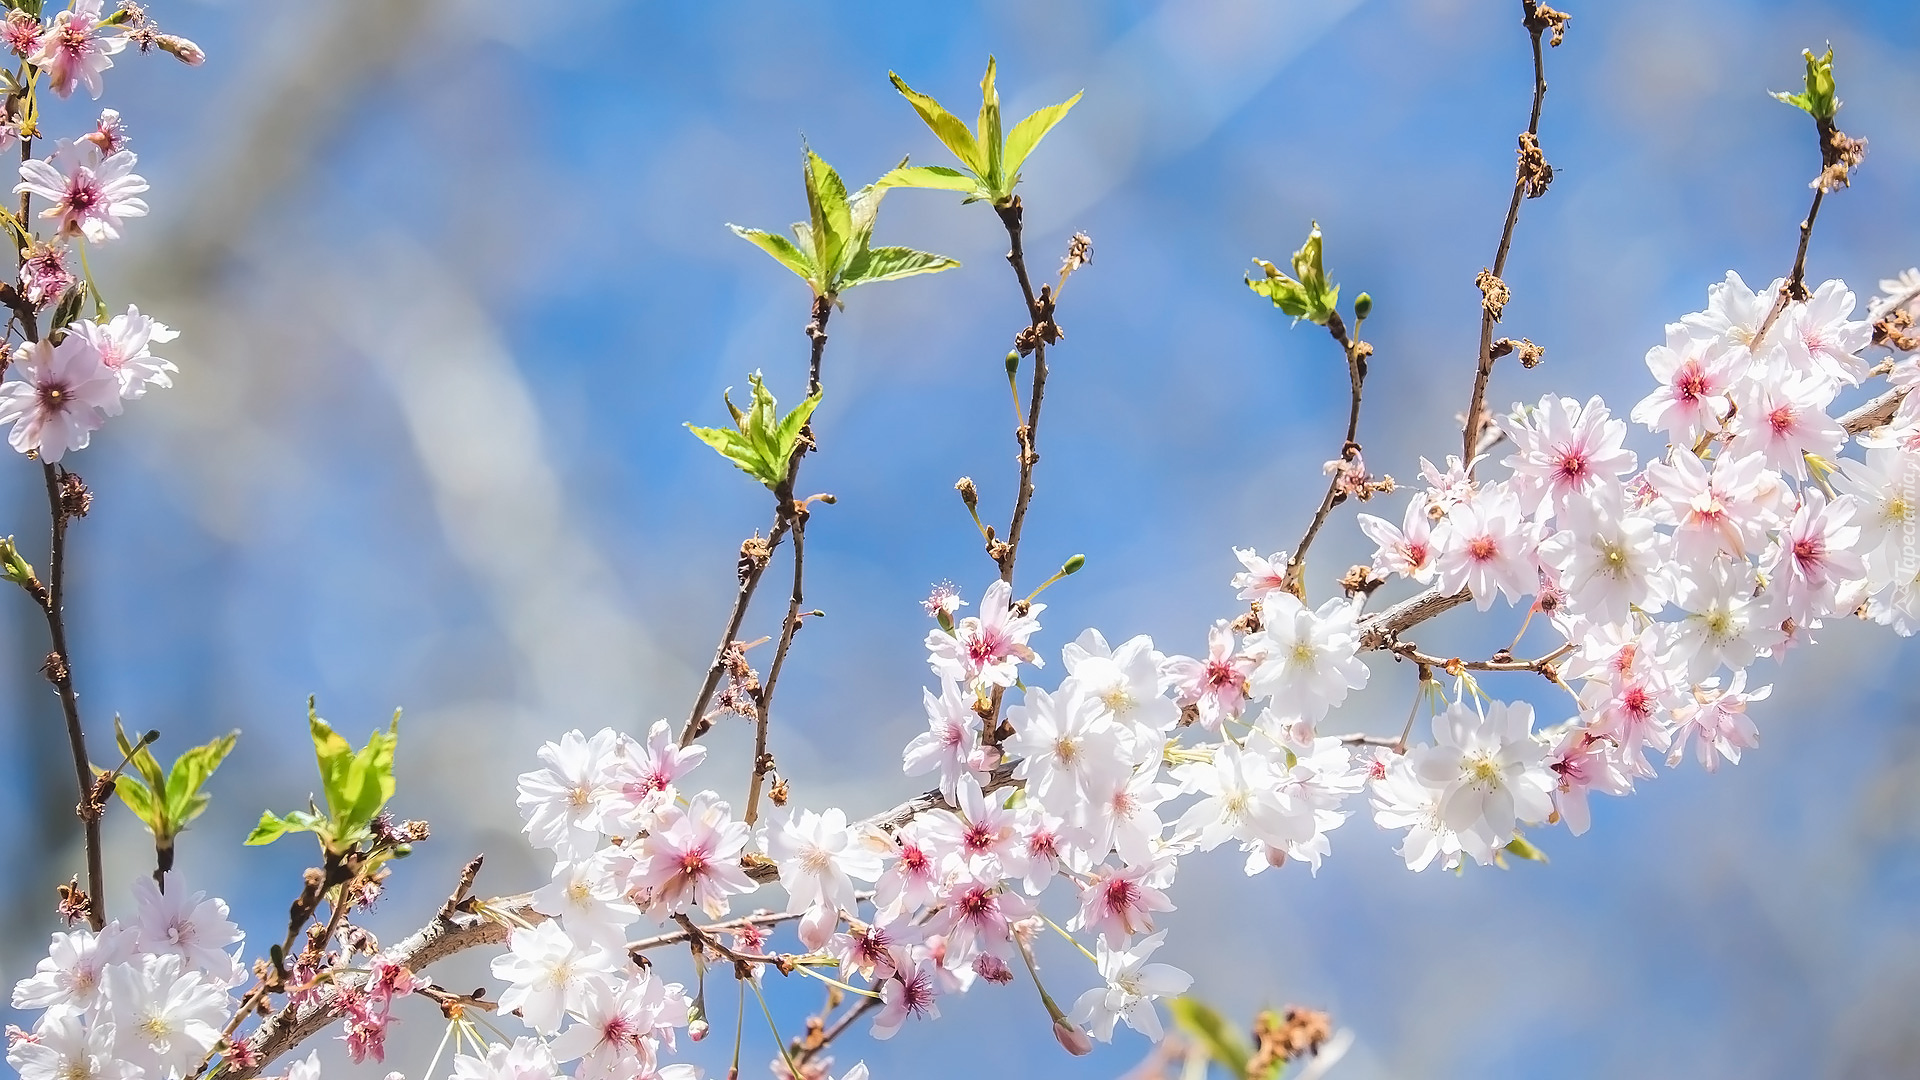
<point>16,568</point>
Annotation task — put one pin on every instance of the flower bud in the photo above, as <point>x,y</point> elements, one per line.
<point>1013,362</point>
<point>1071,1038</point>
<point>1362,305</point>
<point>183,50</point>
<point>1073,565</point>
<point>697,1030</point>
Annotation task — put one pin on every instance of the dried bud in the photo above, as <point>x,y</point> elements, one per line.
<point>969,494</point>
<point>1533,173</point>
<point>1494,293</point>
<point>75,905</point>
<point>75,499</point>
<point>1079,253</point>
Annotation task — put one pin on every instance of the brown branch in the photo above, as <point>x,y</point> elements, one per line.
<point>1356,353</point>
<point>1407,650</point>
<point>1040,331</point>
<point>783,519</point>
<point>1795,287</point>
<point>59,665</point>
<point>59,669</point>
<point>1876,413</point>
<point>1530,180</point>
<point>763,761</point>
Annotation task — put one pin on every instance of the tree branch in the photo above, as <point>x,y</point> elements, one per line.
<point>1356,353</point>
<point>783,519</point>
<point>1530,181</point>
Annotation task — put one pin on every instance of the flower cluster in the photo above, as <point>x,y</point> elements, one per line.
<point>140,999</point>
<point>69,382</point>
<point>1664,584</point>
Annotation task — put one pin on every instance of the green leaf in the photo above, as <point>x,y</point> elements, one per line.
<point>1818,98</point>
<point>891,263</point>
<point>948,128</point>
<point>139,799</point>
<point>761,442</point>
<point>68,308</point>
<point>990,138</point>
<point>1027,134</point>
<point>334,756</point>
<point>1525,849</point>
<point>1208,1028</point>
<point>938,177</point>
<point>1305,295</point>
<point>830,217</point>
<point>781,248</point>
<point>369,780</point>
<point>141,759</point>
<point>189,774</point>
<point>272,827</point>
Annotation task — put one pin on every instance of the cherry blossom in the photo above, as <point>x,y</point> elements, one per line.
<point>91,196</point>
<point>73,51</point>
<point>64,394</point>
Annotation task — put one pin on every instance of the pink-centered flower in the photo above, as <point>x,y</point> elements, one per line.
<point>91,197</point>
<point>1565,451</point>
<point>987,649</point>
<point>74,50</point>
<point>693,858</point>
<point>64,393</point>
<point>124,342</point>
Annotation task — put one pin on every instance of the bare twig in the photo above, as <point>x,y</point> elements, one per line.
<point>1041,330</point>
<point>1529,180</point>
<point>783,520</point>
<point>1356,353</point>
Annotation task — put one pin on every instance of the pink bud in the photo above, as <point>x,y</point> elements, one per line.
<point>1071,1038</point>
<point>183,50</point>
<point>697,1030</point>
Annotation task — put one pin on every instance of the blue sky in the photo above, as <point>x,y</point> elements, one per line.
<point>452,276</point>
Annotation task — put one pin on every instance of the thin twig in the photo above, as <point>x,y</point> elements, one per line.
<point>783,519</point>
<point>60,663</point>
<point>1039,320</point>
<point>762,761</point>
<point>1356,378</point>
<point>1536,26</point>
<point>1407,650</point>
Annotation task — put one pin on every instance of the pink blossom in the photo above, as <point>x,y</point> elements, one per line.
<point>1814,557</point>
<point>43,273</point>
<point>1721,721</point>
<point>1407,550</point>
<point>73,51</point>
<point>1217,686</point>
<point>64,394</point>
<point>1694,376</point>
<point>124,343</point>
<point>1565,451</point>
<point>910,992</point>
<point>92,196</point>
<point>693,857</point>
<point>1118,903</point>
<point>987,649</point>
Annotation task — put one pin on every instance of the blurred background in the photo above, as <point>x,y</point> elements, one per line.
<point>451,275</point>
